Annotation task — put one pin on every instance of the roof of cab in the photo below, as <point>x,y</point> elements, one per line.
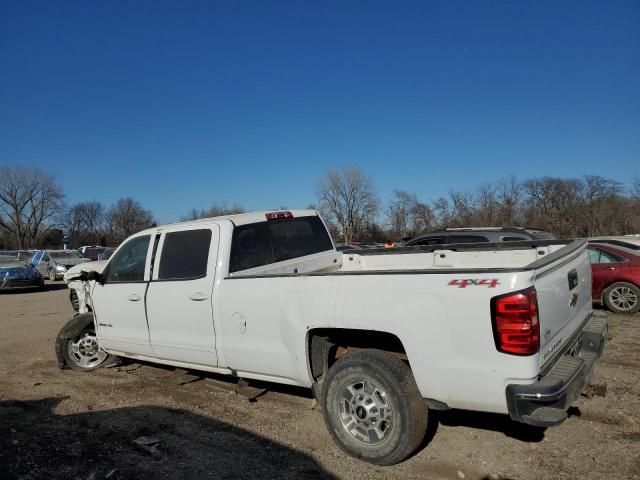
<point>237,219</point>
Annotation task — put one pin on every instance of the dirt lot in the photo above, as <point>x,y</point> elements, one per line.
<point>63,424</point>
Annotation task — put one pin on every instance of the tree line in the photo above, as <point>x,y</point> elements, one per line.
<point>567,207</point>
<point>33,212</point>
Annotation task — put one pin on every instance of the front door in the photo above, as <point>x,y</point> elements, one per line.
<point>118,303</point>
<point>180,295</point>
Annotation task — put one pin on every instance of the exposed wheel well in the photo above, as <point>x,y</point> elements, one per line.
<point>327,345</point>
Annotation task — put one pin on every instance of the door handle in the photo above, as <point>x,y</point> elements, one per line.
<point>134,297</point>
<point>198,297</point>
<point>609,268</point>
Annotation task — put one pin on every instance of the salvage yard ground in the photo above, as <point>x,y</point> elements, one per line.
<point>139,421</point>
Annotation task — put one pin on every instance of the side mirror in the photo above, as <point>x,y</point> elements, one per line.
<point>92,276</point>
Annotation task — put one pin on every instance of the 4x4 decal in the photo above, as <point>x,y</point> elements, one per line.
<point>481,282</point>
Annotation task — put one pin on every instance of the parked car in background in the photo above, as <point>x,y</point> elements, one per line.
<point>629,241</point>
<point>615,274</point>
<point>106,254</point>
<point>17,274</point>
<point>54,263</point>
<point>479,235</point>
<point>91,252</point>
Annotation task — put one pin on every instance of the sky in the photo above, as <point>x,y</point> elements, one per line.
<point>183,105</point>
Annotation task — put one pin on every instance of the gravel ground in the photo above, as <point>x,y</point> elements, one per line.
<point>139,421</point>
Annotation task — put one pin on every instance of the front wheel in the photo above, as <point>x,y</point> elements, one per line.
<point>373,408</point>
<point>83,353</point>
<point>622,297</point>
<point>52,275</point>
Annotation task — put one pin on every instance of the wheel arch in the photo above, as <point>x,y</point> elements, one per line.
<point>73,327</point>
<point>325,346</point>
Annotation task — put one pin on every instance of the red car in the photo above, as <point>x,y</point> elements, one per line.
<point>616,276</point>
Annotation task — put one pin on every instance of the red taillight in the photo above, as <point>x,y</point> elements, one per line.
<point>515,322</point>
<point>278,215</point>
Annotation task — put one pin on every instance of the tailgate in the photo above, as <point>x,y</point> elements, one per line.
<point>563,285</point>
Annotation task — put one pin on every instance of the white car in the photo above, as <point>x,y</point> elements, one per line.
<point>381,336</point>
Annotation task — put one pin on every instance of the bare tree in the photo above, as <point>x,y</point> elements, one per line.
<point>399,213</point>
<point>597,194</point>
<point>85,222</point>
<point>509,192</point>
<point>127,217</point>
<point>349,199</point>
<point>29,199</point>
<point>422,217</point>
<point>215,210</point>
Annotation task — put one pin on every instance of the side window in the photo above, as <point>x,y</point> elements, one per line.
<point>128,264</point>
<point>609,258</point>
<point>45,257</point>
<point>185,255</point>
<point>37,258</point>
<point>598,256</point>
<point>594,256</point>
<point>429,241</point>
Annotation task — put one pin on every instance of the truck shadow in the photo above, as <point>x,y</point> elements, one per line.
<point>145,442</point>
<point>486,421</point>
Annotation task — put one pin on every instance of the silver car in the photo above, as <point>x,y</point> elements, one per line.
<point>53,264</point>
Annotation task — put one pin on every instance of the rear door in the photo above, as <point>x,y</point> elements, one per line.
<point>563,287</point>
<point>180,295</point>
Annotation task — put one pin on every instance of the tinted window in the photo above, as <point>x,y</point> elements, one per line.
<point>598,256</point>
<point>128,264</point>
<point>185,255</point>
<point>467,239</point>
<point>273,241</point>
<point>514,239</point>
<point>427,241</point>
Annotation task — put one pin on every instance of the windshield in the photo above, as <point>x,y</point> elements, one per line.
<point>65,255</point>
<point>8,261</point>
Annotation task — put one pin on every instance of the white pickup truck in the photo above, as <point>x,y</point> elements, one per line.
<point>381,336</point>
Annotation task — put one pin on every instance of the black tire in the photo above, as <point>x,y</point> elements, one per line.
<point>349,410</point>
<point>52,275</point>
<point>73,298</point>
<point>622,297</point>
<point>85,359</point>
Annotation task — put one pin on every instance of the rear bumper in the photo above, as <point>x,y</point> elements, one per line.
<point>545,402</point>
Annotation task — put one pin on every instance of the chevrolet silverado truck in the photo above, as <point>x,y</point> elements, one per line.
<point>380,336</point>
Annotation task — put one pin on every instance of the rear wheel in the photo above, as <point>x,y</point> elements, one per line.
<point>622,297</point>
<point>373,408</point>
<point>83,353</point>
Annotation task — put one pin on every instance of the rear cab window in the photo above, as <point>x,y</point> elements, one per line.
<point>263,243</point>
